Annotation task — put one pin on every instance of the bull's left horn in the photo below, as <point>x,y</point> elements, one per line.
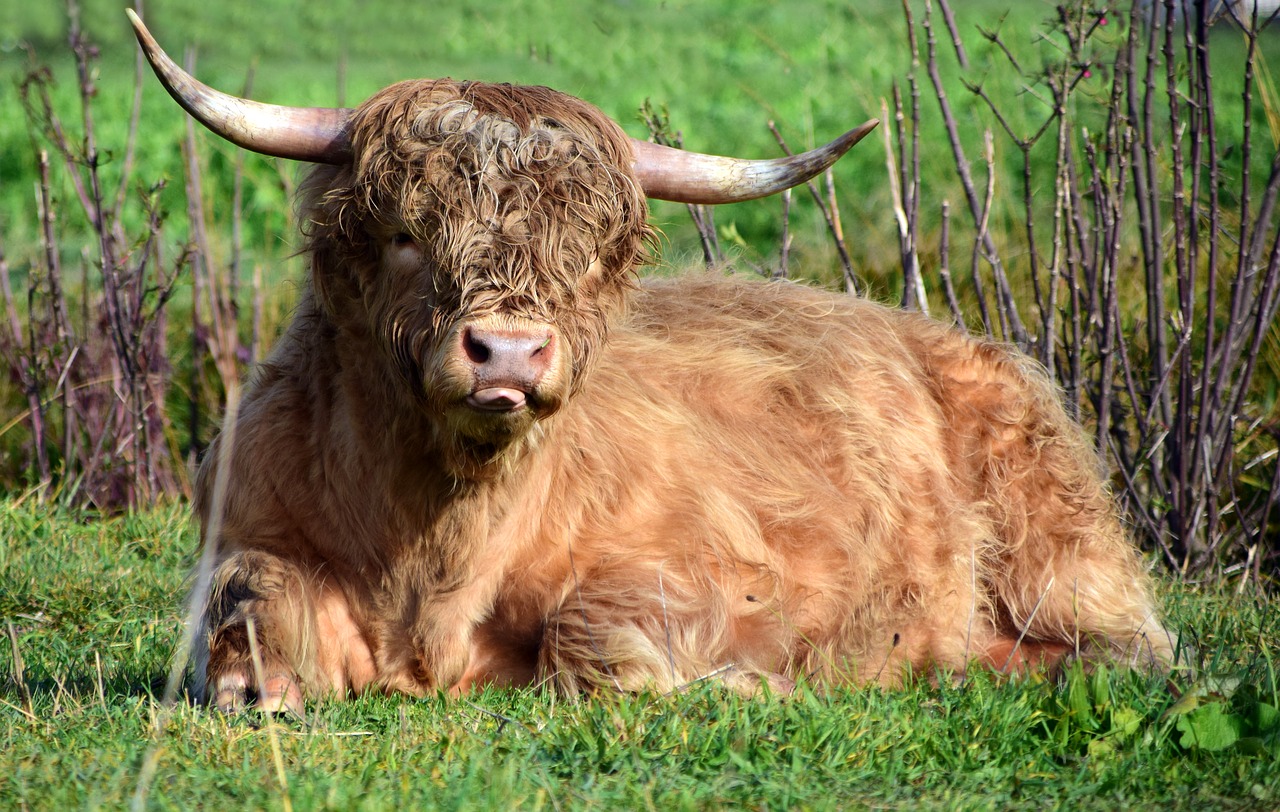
<point>317,134</point>
<point>691,177</point>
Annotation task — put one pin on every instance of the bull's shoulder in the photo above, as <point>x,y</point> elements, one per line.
<point>293,444</point>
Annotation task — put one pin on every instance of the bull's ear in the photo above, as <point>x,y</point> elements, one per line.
<point>334,281</point>
<point>335,242</point>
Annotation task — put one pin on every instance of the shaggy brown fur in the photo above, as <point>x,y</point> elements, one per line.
<point>756,480</point>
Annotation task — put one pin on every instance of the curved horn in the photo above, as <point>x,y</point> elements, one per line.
<point>691,177</point>
<point>315,134</point>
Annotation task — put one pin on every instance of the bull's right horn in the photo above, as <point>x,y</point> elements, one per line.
<point>317,134</point>
<point>691,177</point>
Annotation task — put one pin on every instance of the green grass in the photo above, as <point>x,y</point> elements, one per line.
<point>95,612</point>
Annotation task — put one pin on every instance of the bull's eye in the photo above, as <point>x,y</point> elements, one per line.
<point>402,239</point>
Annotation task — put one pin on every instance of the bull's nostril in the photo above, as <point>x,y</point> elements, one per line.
<point>513,357</point>
<point>475,348</point>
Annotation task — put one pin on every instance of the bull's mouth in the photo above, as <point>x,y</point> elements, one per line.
<point>496,416</point>
<point>498,400</point>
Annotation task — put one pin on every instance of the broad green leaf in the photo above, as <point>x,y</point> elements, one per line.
<point>1209,727</point>
<point>1266,718</point>
<point>1125,722</point>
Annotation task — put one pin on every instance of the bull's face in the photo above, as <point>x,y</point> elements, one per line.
<point>484,237</point>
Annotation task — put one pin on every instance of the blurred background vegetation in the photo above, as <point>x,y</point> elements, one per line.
<point>722,70</point>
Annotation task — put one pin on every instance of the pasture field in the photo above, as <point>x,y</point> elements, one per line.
<point>93,614</point>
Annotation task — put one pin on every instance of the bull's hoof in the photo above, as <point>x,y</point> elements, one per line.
<point>230,695</point>
<point>278,694</point>
<point>281,695</point>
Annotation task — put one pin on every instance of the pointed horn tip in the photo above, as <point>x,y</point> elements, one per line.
<point>858,133</point>
<point>150,47</point>
<point>139,28</point>
<point>297,133</point>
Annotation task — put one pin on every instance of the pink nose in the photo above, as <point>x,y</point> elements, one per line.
<point>507,364</point>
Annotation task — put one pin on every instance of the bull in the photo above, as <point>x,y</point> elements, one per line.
<point>485,453</point>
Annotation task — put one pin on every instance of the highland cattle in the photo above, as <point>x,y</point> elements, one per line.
<point>486,452</point>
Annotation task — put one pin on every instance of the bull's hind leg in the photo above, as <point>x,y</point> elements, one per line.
<point>1077,590</point>
<point>269,633</point>
<point>646,624</point>
<point>1064,576</point>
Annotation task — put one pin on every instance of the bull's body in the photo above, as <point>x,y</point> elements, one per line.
<point>762,477</point>
<point>481,455</point>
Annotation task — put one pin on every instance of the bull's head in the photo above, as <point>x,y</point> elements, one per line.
<point>482,235</point>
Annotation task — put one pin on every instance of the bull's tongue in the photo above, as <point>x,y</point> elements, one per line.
<point>496,399</point>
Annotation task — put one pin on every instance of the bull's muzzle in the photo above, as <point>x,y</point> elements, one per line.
<point>507,363</point>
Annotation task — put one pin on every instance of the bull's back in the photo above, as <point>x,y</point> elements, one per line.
<point>794,400</point>
<point>796,367</point>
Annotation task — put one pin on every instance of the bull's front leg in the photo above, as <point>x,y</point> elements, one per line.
<point>433,650</point>
<point>270,633</point>
<point>441,637</point>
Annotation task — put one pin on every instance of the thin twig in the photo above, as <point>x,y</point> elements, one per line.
<point>1026,627</point>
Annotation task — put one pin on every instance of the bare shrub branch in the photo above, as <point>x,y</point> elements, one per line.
<point>1154,296</point>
